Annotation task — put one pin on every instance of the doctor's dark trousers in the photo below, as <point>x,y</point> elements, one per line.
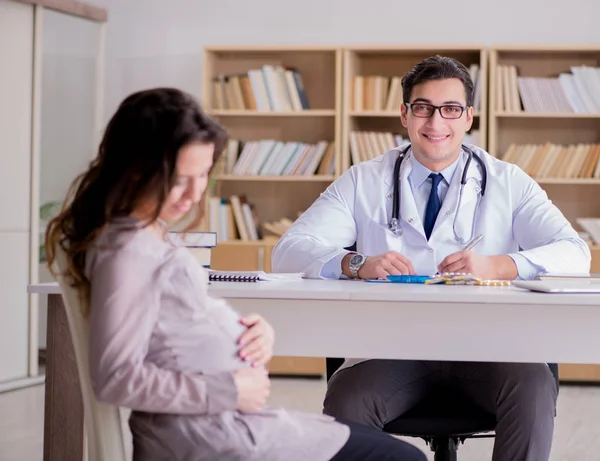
<point>522,396</point>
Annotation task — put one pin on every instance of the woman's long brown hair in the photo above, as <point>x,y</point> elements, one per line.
<point>136,162</point>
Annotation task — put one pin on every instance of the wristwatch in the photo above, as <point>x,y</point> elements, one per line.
<point>355,263</point>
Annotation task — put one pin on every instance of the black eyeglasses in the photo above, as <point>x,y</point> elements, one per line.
<point>424,110</point>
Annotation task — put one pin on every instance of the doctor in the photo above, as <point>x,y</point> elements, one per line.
<point>447,194</point>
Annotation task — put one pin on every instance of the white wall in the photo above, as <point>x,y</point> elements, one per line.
<point>159,42</point>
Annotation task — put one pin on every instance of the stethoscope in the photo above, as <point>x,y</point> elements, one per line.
<point>394,226</point>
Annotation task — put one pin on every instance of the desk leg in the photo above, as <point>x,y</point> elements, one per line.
<point>63,415</point>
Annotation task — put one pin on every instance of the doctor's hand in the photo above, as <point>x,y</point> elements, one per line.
<point>500,267</point>
<point>390,263</point>
<point>257,341</point>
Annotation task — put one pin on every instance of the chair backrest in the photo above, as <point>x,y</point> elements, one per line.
<point>104,427</point>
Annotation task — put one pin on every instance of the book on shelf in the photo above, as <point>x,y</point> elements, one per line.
<point>575,92</point>
<point>233,218</point>
<point>279,227</point>
<point>366,145</point>
<point>199,244</point>
<point>541,161</point>
<point>475,72</point>
<point>591,226</point>
<point>270,157</point>
<point>193,239</point>
<point>267,89</point>
<point>376,93</point>
<point>384,93</point>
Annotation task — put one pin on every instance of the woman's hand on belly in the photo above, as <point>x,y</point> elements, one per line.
<point>257,342</point>
<point>253,388</point>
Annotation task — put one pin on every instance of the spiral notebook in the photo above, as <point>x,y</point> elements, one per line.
<point>251,276</point>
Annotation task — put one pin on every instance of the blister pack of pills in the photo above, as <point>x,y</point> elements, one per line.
<point>462,278</point>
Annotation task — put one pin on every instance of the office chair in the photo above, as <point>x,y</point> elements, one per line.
<point>443,419</point>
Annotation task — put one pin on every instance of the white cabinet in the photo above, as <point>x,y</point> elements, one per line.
<point>50,91</point>
<point>14,318</point>
<point>16,80</point>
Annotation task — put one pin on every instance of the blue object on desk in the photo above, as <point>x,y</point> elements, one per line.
<point>408,278</point>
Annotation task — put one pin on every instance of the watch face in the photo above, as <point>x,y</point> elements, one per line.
<point>356,259</point>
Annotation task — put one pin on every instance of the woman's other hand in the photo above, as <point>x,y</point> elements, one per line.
<point>253,386</point>
<point>256,344</point>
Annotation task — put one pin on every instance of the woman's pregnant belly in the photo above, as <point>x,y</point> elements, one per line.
<point>204,343</point>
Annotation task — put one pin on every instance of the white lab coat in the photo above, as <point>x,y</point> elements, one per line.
<point>515,217</point>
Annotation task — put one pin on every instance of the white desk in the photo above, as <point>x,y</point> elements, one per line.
<point>355,319</point>
<point>370,320</point>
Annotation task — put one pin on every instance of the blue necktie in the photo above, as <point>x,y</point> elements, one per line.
<point>433,204</point>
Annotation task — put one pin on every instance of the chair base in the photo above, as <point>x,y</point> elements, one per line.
<point>445,448</point>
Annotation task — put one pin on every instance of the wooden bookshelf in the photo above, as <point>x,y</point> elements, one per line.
<point>274,196</point>
<point>521,125</point>
<point>369,62</point>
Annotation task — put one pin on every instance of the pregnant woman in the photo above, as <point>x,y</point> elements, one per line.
<point>188,366</point>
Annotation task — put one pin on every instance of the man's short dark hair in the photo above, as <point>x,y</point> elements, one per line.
<point>437,68</point>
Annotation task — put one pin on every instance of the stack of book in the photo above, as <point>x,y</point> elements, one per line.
<point>270,157</point>
<point>268,89</point>
<point>199,244</point>
<point>550,160</point>
<point>578,91</point>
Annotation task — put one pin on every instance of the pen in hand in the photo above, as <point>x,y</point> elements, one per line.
<point>471,244</point>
